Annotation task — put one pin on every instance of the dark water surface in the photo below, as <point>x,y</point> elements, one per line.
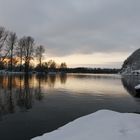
<point>31,106</point>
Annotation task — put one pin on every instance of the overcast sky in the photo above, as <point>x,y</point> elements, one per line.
<point>80,32</point>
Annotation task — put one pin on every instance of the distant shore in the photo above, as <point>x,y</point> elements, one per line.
<point>67,70</point>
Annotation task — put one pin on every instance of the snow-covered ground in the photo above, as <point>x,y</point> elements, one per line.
<point>101,125</point>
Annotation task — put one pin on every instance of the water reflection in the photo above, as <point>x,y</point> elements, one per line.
<point>129,83</point>
<point>24,93</point>
<point>37,104</point>
<point>38,90</point>
<point>21,91</point>
<point>63,78</point>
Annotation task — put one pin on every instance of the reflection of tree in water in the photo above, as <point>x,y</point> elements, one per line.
<point>38,91</point>
<point>96,76</point>
<point>63,78</point>
<point>129,83</point>
<point>27,93</point>
<point>20,91</point>
<point>51,80</point>
<point>24,93</point>
<point>7,104</point>
<point>15,90</point>
<point>10,102</point>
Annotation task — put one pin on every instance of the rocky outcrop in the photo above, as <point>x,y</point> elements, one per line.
<point>132,64</point>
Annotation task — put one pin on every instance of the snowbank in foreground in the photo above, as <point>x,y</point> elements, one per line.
<point>101,125</point>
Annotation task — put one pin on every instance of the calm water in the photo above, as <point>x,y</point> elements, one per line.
<point>31,106</point>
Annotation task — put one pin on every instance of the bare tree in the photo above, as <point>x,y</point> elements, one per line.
<point>11,42</point>
<point>39,54</point>
<point>63,65</point>
<point>28,52</point>
<point>52,64</point>
<point>20,50</point>
<point>3,38</point>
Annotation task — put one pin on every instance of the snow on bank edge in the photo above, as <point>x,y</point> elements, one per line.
<point>101,125</point>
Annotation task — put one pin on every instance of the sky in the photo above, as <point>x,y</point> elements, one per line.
<point>89,33</point>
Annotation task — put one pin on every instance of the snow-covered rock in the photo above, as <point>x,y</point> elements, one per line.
<point>131,65</point>
<point>137,87</point>
<point>101,125</point>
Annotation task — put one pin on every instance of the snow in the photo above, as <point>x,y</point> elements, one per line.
<point>129,71</point>
<point>137,87</point>
<point>101,125</point>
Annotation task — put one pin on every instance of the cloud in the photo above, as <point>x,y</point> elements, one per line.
<point>75,26</point>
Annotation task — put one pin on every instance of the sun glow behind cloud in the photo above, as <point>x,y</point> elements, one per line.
<point>104,60</point>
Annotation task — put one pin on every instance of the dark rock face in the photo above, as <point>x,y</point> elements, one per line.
<point>132,63</point>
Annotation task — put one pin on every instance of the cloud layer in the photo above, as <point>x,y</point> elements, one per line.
<point>68,27</point>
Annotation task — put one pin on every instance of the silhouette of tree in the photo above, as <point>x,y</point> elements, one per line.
<point>28,52</point>
<point>52,64</point>
<point>63,65</point>
<point>3,36</point>
<point>45,66</point>
<point>20,50</point>
<point>12,38</point>
<point>39,54</point>
<point>3,39</point>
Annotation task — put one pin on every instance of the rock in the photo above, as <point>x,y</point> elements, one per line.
<point>132,64</point>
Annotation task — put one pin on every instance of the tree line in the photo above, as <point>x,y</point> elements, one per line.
<point>18,54</point>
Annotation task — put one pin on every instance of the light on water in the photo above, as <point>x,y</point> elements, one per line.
<point>31,106</point>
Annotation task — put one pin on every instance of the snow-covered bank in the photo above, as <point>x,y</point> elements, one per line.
<point>101,125</point>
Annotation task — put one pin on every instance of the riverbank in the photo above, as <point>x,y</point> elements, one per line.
<point>101,125</point>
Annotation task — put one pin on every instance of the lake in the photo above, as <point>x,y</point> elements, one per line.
<point>33,105</point>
